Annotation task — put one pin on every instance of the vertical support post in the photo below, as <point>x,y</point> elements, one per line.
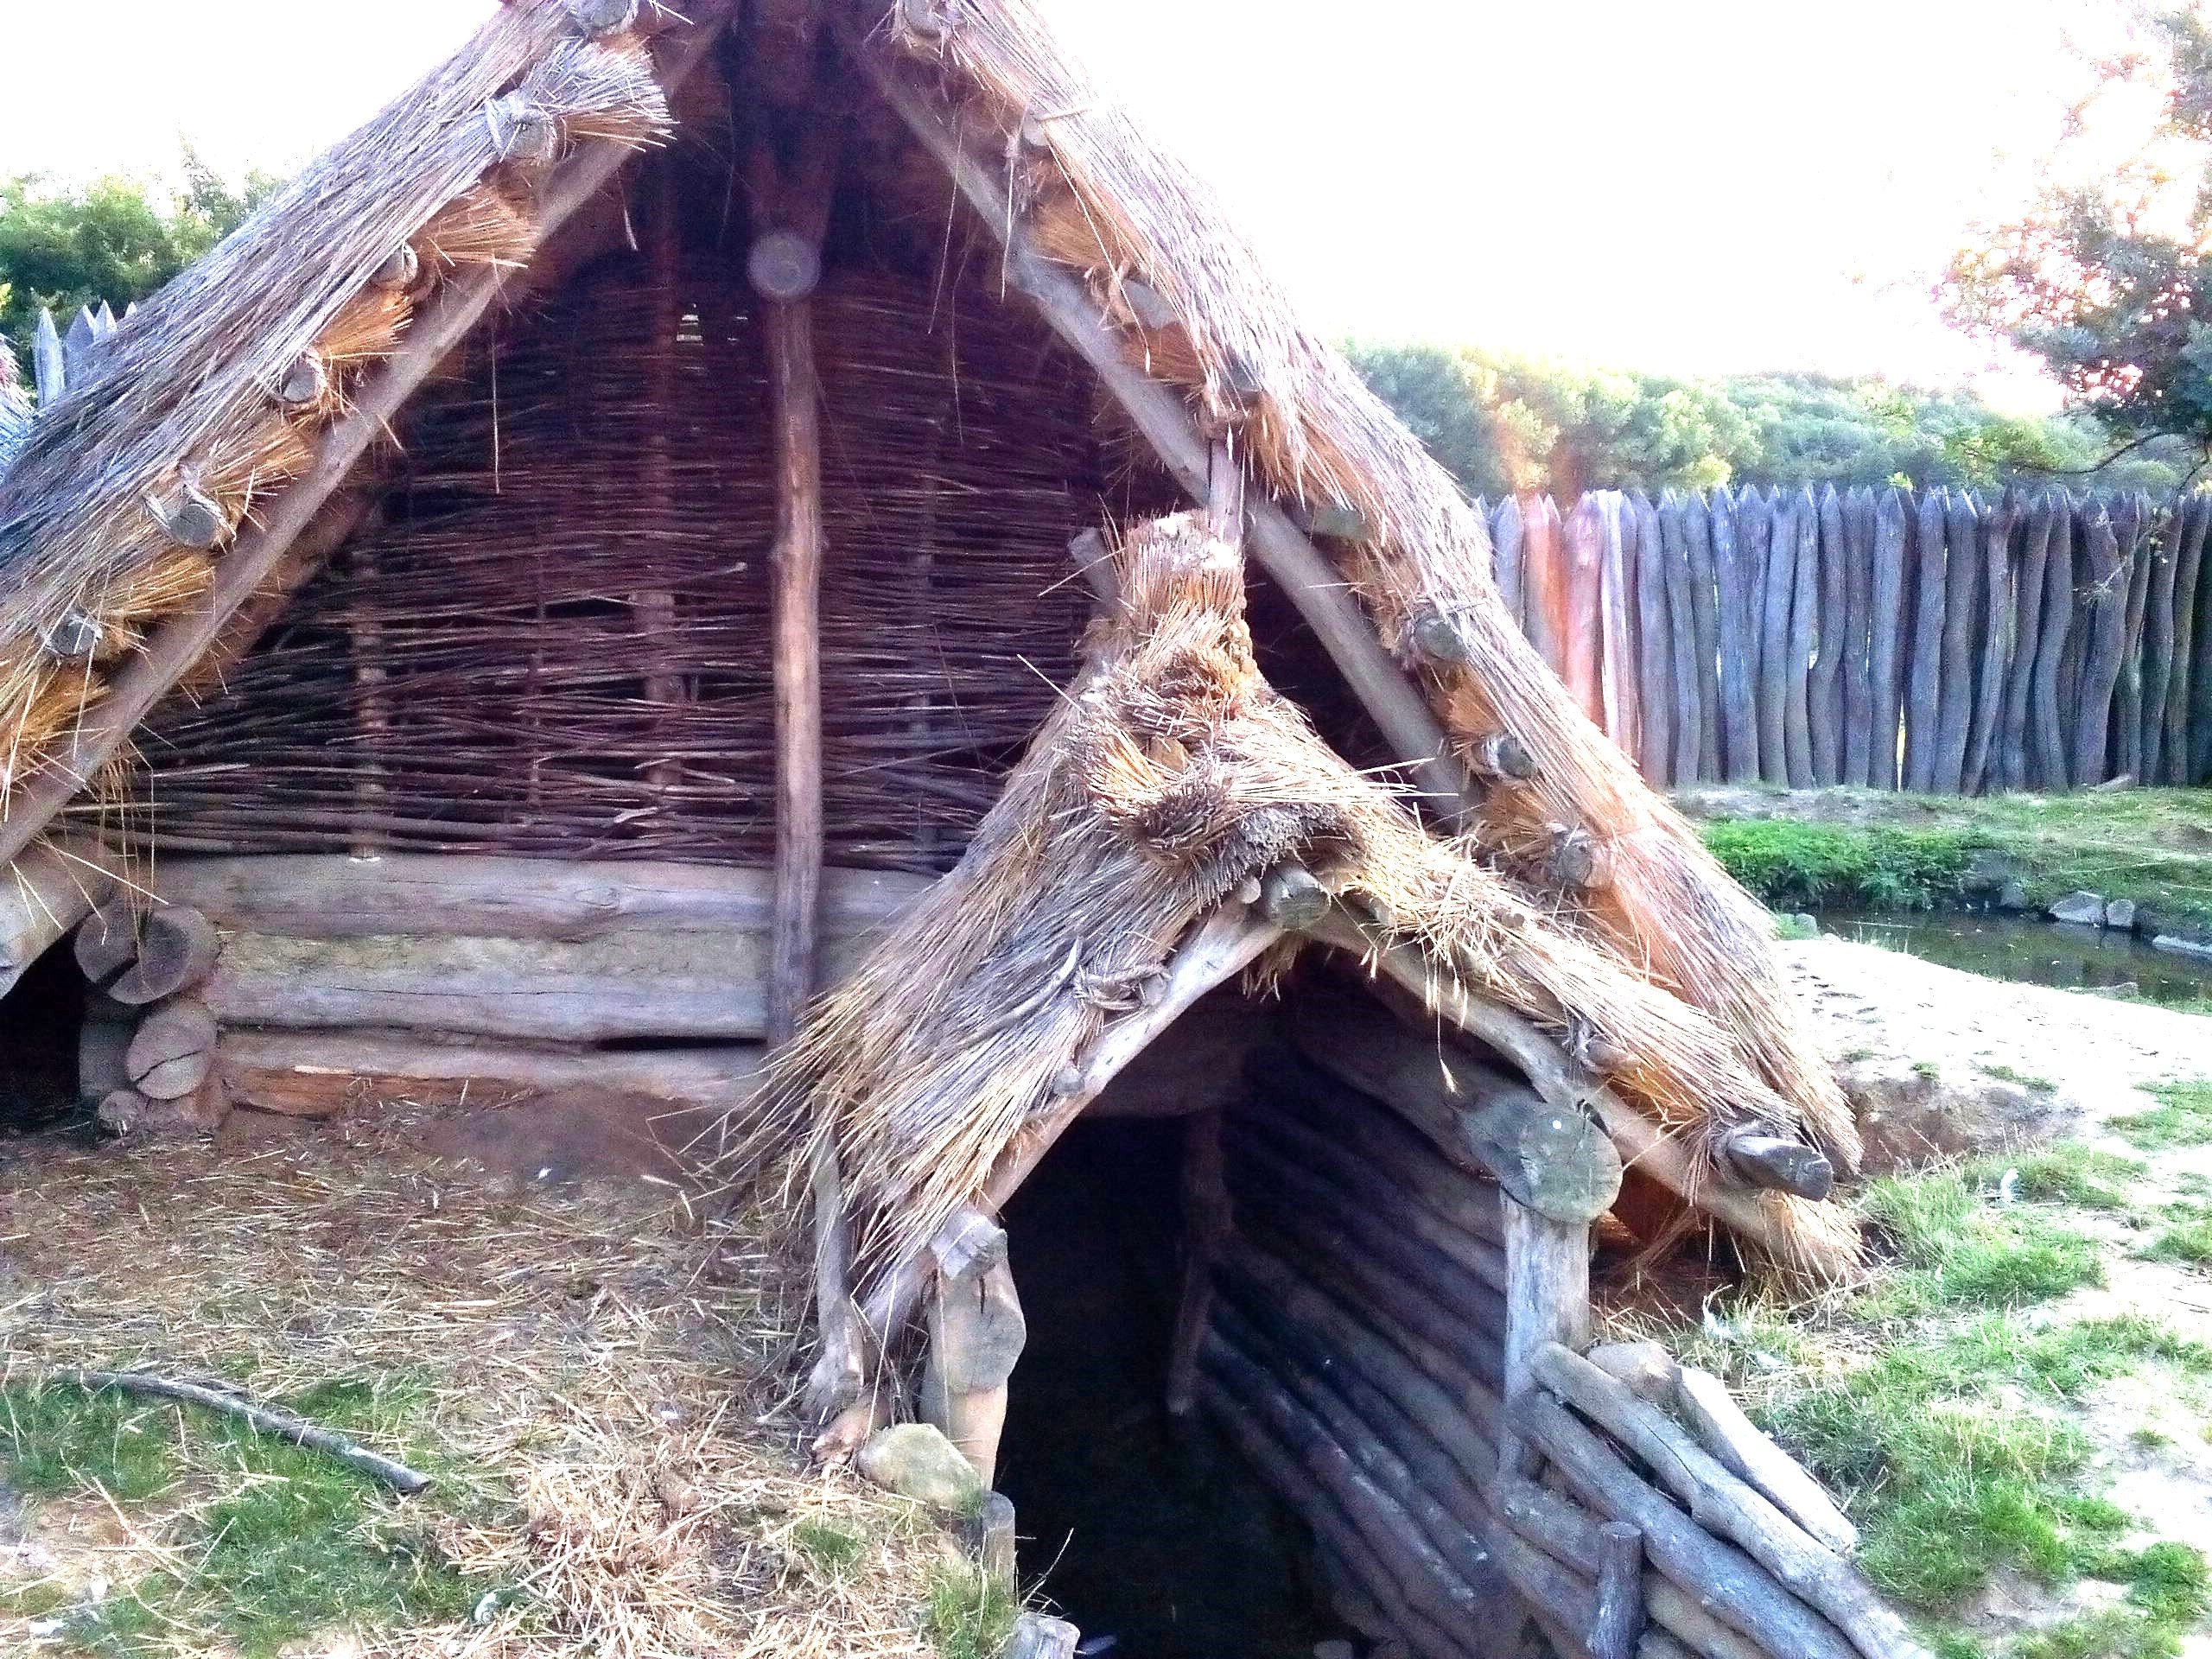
<point>371,705</point>
<point>656,608</point>
<point>1547,1300</point>
<point>977,1335</point>
<point>1205,1226</point>
<point>1617,1625</point>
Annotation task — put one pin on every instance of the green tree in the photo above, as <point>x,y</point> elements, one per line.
<point>113,239</point>
<point>2105,278</point>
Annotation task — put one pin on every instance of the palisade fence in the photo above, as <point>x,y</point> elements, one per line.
<point>1941,641</point>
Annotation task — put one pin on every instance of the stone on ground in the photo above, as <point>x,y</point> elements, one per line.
<point>2120,913</point>
<point>915,1460</point>
<point>2088,907</point>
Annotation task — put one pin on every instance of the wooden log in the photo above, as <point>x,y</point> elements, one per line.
<point>44,894</point>
<point>2163,549</point>
<point>319,1073</point>
<point>1347,1182</point>
<point>1555,1161</point>
<point>1256,1280</point>
<point>1617,1625</point>
<point>1736,543</point>
<point>2047,724</point>
<point>1958,669</point>
<point>1687,717</point>
<point>2196,514</point>
<point>1562,1529</point>
<point>1206,1227</point>
<point>2199,767</point>
<point>2077,636</point>
<point>1502,756</point>
<point>1505,539</point>
<point>1291,896</point>
<point>1850,532</point>
<point>257,555</point>
<point>1655,648</point>
<point>1705,604</point>
<point>1725,1581</point>
<point>1703,1402</point>
<point>976,1336</point>
<point>1543,581</point>
<point>106,941</point>
<point>1728,1507</point>
<point>1776,599</point>
<point>1777,1164</point>
<point>1582,639</point>
<point>2012,759</point>
<point>177,950</point>
<point>49,362</point>
<point>1547,1304</point>
<point>1993,649</point>
<point>2134,530</point>
<point>2101,602</point>
<point>1924,677</point>
<point>1814,693</point>
<point>172,1050</point>
<point>1885,637</point>
<point>702,985</point>
<point>1619,669</point>
<point>331,896</point>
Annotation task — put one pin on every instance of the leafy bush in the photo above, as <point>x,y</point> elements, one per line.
<point>1789,866</point>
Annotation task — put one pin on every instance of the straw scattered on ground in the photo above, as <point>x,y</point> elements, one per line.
<point>596,1380</point>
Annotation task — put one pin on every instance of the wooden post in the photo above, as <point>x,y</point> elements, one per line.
<point>1618,671</point>
<point>1687,717</point>
<point>2047,766</point>
<point>1546,1300</point>
<point>1925,676</point>
<point>2196,514</point>
<point>1777,599</point>
<point>1543,578</point>
<point>2012,761</point>
<point>2134,530</point>
<point>1853,539</point>
<point>1812,727</point>
<point>1705,658</point>
<point>1738,538</point>
<point>2102,603</point>
<point>977,1335</point>
<point>2199,765</point>
<point>1994,656</point>
<point>1505,533</point>
<point>1954,667</point>
<point>1582,639</point>
<point>1886,638</point>
<point>1207,1223</point>
<point>1655,648</point>
<point>655,609</point>
<point>1619,1622</point>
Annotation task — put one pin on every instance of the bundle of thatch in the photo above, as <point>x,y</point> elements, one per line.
<point>1172,777</point>
<point>1194,306</point>
<point>212,397</point>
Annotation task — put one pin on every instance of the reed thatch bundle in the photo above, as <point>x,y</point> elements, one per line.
<point>1101,197</point>
<point>1171,775</point>
<point>210,396</point>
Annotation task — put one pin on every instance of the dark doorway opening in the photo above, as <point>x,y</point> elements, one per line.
<point>41,1019</point>
<point>1145,1528</point>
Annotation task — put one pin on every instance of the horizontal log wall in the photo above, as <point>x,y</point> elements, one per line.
<point>1948,641</point>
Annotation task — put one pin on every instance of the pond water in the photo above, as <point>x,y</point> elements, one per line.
<point>2005,945</point>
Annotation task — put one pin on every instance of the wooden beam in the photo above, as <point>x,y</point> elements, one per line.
<point>1162,418</point>
<point>181,641</point>
<point>1547,1301</point>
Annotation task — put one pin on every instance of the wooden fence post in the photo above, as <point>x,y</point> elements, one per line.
<point>1994,652</point>
<point>1772,603</point>
<point>2181,698</point>
<point>1705,658</point>
<point>1956,670</point>
<point>1505,540</point>
<point>1820,539</point>
<point>2047,749</point>
<point>1655,643</point>
<point>1808,613</point>
<point>1924,682</point>
<point>2134,530</point>
<point>2012,749</point>
<point>2165,558</point>
<point>1854,536</point>
<point>1886,653</point>
<point>1581,640</point>
<point>1735,630</point>
<point>2103,605</point>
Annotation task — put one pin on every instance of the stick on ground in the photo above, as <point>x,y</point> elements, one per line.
<point>263,1419</point>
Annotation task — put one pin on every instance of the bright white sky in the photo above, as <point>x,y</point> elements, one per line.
<point>1689,186</point>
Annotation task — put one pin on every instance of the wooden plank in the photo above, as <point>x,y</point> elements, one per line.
<point>1887,637</point>
<point>1818,625</point>
<point>1738,535</point>
<point>1924,677</point>
<point>1993,651</point>
<point>331,896</point>
<point>2181,693</point>
<point>2164,561</point>
<point>2102,602</point>
<point>1546,1303</point>
<point>1852,539</point>
<point>1655,648</point>
<point>435,331</point>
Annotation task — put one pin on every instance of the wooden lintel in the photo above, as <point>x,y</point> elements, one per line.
<point>435,331</point>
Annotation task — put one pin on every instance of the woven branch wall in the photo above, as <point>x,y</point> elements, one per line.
<point>556,644</point>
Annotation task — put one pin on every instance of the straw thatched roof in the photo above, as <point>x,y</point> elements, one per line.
<point>234,416</point>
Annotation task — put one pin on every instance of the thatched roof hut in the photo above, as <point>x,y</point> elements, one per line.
<point>626,541</point>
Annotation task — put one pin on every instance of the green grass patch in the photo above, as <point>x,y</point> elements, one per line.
<point>1789,866</point>
<point>2065,1173</point>
<point>970,1613</point>
<point>2182,1118</point>
<point>1953,1247</point>
<point>832,1549</point>
<point>2187,1239</point>
<point>2008,1074</point>
<point>294,1542</point>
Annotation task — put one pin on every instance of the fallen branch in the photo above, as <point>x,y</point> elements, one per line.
<point>262,1420</point>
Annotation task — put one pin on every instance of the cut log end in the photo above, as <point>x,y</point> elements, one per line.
<point>304,382</point>
<point>1436,637</point>
<point>400,269</point>
<point>929,21</point>
<point>1501,754</point>
<point>190,519</point>
<point>597,17</point>
<point>1578,862</point>
<point>1292,896</point>
<point>1778,1163</point>
<point>784,265</point>
<point>522,131</point>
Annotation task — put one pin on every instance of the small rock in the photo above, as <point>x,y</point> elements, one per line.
<point>2120,913</point>
<point>2080,907</point>
<point>1807,923</point>
<point>2181,947</point>
<point>1909,1116</point>
<point>1988,870</point>
<point>2013,895</point>
<point>1036,1636</point>
<point>915,1460</point>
